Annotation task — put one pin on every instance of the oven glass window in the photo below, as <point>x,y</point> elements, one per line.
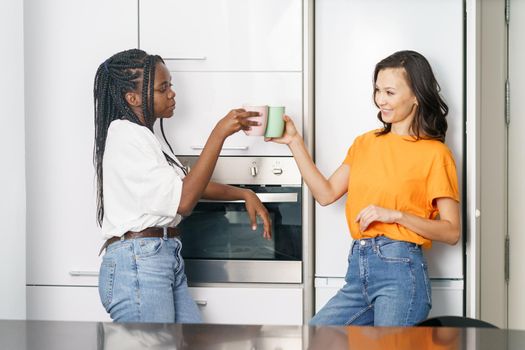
<point>222,230</point>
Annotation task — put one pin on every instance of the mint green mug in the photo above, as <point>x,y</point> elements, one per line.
<point>275,123</point>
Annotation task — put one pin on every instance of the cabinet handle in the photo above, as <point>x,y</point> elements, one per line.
<point>263,197</point>
<point>84,273</point>
<point>201,302</point>
<point>227,148</point>
<point>187,58</point>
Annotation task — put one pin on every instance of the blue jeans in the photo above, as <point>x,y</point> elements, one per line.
<point>386,285</point>
<point>143,280</point>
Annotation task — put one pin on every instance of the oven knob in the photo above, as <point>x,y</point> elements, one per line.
<point>253,170</point>
<point>277,171</point>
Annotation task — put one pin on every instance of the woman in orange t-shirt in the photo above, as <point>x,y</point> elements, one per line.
<point>398,180</point>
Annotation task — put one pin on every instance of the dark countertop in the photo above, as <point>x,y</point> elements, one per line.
<point>44,335</point>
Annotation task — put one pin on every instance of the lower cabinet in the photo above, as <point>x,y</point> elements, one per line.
<point>219,305</point>
<point>447,295</point>
<point>250,305</point>
<point>65,303</point>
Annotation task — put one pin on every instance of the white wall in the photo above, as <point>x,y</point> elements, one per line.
<point>12,157</point>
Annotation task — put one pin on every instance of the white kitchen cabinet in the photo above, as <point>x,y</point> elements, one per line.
<point>218,305</point>
<point>203,98</point>
<point>250,305</point>
<point>65,303</point>
<point>224,35</point>
<point>65,41</point>
<point>447,295</point>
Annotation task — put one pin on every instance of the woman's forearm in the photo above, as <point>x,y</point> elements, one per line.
<point>195,183</point>
<point>224,192</point>
<point>197,180</point>
<point>316,182</point>
<point>436,230</point>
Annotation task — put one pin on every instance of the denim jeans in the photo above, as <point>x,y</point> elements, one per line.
<point>143,280</point>
<point>386,285</point>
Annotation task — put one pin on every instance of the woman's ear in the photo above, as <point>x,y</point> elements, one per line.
<point>133,99</point>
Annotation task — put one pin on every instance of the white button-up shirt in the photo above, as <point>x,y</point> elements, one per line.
<point>141,189</point>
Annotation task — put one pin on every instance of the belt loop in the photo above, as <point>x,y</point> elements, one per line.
<point>122,238</point>
<point>165,230</point>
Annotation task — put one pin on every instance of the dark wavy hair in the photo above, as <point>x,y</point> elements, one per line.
<point>126,71</point>
<point>430,119</point>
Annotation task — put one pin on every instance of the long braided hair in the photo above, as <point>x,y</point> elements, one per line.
<point>123,72</point>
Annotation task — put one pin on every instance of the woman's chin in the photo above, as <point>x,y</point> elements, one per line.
<point>165,116</point>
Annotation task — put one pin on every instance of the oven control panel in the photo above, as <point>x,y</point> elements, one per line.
<point>253,170</point>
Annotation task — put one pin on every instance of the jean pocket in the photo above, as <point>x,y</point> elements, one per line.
<point>106,279</point>
<point>149,247</point>
<point>394,252</point>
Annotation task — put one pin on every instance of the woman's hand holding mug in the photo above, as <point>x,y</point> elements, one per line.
<point>236,120</point>
<point>289,135</point>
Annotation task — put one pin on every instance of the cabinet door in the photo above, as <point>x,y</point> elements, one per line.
<point>224,35</point>
<point>65,41</point>
<point>65,304</point>
<point>250,305</point>
<point>203,98</point>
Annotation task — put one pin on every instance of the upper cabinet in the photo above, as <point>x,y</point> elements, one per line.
<point>223,35</point>
<point>224,54</point>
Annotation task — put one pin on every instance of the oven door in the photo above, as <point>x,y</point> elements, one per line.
<point>219,245</point>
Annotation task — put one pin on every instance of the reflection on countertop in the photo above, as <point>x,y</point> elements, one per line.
<point>55,335</point>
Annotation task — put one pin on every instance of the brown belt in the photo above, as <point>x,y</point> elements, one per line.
<point>146,233</point>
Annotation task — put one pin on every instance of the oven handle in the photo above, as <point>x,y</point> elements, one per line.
<point>224,148</point>
<point>290,197</point>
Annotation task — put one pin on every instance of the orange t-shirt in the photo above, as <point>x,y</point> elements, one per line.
<point>400,173</point>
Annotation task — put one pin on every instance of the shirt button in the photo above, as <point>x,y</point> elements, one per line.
<point>362,242</point>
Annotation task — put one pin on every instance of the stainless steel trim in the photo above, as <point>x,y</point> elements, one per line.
<point>264,197</point>
<point>308,133</point>
<point>225,148</point>
<point>83,273</point>
<point>243,271</point>
<point>187,58</point>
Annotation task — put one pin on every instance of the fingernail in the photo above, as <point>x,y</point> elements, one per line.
<point>254,227</point>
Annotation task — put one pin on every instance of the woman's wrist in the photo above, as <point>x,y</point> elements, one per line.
<point>218,133</point>
<point>398,217</point>
<point>295,140</point>
<point>246,193</point>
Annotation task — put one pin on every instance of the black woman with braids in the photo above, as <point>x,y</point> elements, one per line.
<point>143,191</point>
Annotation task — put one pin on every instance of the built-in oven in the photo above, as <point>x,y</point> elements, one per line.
<point>218,243</point>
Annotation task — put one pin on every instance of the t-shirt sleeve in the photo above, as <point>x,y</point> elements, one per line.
<point>442,180</point>
<point>140,173</point>
<point>349,159</point>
